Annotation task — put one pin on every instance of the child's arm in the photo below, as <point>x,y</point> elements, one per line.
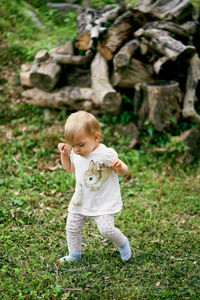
<point>119,166</point>
<point>65,158</point>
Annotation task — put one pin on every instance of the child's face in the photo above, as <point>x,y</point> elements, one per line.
<point>84,144</point>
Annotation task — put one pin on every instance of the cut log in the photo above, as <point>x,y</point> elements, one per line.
<point>160,102</point>
<point>185,30</point>
<point>163,43</point>
<point>134,73</point>
<point>76,60</point>
<point>104,94</point>
<point>178,11</point>
<point>118,34</point>
<point>45,71</point>
<point>25,75</point>
<point>90,16</point>
<point>193,76</point>
<point>67,48</point>
<point>123,56</point>
<point>90,24</point>
<point>72,98</point>
<point>83,41</point>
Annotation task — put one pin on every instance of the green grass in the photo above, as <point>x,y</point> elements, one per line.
<point>160,216</point>
<point>161,198</point>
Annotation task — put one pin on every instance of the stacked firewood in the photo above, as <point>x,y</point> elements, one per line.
<point>148,52</point>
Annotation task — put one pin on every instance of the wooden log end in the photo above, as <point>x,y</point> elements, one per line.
<point>121,61</point>
<point>111,102</point>
<point>25,79</point>
<point>82,41</point>
<point>105,51</point>
<point>42,81</point>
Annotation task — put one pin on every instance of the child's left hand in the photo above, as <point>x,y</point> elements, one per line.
<point>118,166</point>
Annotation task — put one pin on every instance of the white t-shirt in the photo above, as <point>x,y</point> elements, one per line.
<point>97,190</point>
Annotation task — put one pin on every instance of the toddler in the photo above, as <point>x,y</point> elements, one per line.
<point>97,193</point>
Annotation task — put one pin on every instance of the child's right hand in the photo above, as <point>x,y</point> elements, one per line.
<point>64,148</point>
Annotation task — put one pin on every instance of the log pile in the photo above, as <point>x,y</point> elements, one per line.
<point>148,51</point>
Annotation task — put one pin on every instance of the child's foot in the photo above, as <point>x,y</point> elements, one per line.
<point>125,251</point>
<point>72,256</point>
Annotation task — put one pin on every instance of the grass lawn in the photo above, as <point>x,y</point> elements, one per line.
<point>160,216</point>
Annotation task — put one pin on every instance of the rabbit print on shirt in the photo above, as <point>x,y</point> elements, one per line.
<point>96,175</point>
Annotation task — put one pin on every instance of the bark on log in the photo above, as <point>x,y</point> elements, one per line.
<point>185,30</point>
<point>160,101</point>
<point>65,55</point>
<point>73,98</point>
<point>123,56</point>
<point>118,34</point>
<point>90,24</point>
<point>90,16</point>
<point>140,105</point>
<point>76,60</point>
<point>45,71</point>
<point>163,101</point>
<point>104,94</point>
<point>67,48</point>
<point>178,11</point>
<point>163,43</point>
<point>193,76</point>
<point>134,73</point>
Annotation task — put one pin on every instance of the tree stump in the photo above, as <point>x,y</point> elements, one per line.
<point>160,102</point>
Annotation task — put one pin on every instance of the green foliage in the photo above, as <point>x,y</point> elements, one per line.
<point>22,42</point>
<point>97,3</point>
<point>176,145</point>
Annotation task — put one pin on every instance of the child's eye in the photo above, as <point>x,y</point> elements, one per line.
<point>81,145</point>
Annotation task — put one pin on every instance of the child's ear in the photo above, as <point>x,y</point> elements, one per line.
<point>97,136</point>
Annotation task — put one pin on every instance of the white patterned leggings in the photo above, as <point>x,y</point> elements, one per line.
<point>105,224</point>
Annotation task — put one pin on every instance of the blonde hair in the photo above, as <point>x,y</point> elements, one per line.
<point>80,120</point>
